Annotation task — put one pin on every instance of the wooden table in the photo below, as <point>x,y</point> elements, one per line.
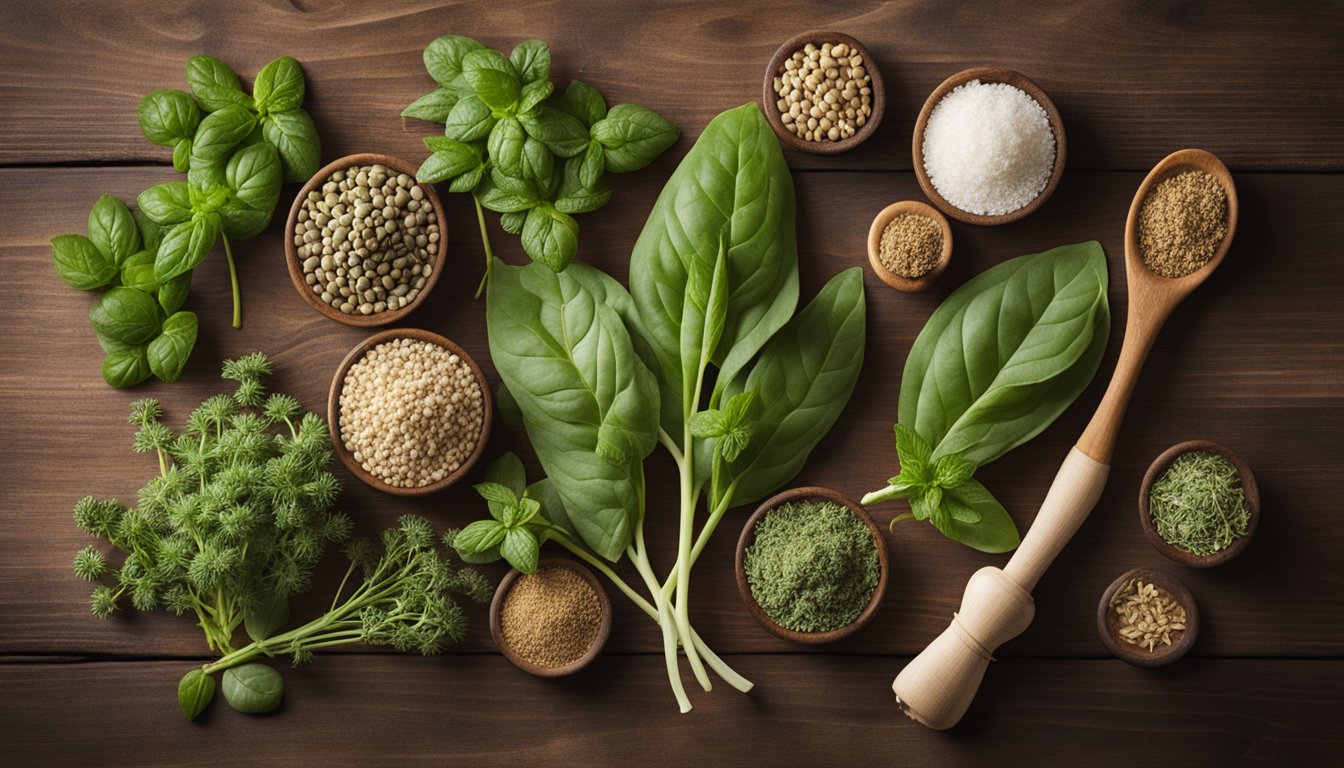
<point>1253,360</point>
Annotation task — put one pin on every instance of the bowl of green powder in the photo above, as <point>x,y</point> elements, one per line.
<point>811,565</point>
<point>1199,504</point>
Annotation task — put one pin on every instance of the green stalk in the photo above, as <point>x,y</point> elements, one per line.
<point>233,281</point>
<point>485,241</point>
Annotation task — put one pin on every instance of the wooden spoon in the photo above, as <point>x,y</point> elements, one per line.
<point>937,686</point>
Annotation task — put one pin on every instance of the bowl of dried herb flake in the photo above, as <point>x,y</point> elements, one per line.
<point>1199,504</point>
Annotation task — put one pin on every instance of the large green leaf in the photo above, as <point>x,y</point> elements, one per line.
<point>589,404</point>
<point>81,265</point>
<point>732,196</point>
<point>112,229</point>
<point>1007,352</point>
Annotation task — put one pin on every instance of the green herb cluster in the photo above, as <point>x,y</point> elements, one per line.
<point>519,148</point>
<point>998,361</point>
<point>813,566</point>
<point>236,150</point>
<point>706,355</point>
<point>1198,503</point>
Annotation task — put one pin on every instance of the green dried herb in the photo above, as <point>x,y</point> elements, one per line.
<point>1198,503</point>
<point>813,566</point>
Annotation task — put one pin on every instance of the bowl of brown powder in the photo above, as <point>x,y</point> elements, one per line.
<point>1148,618</point>
<point>551,622</point>
<point>909,245</point>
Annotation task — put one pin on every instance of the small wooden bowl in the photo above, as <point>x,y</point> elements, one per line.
<point>334,411</point>
<point>769,97</point>
<point>749,535</point>
<point>910,285</point>
<point>989,75</point>
<point>603,630</point>
<point>292,252</point>
<point>1107,621</point>
<point>1175,553</point>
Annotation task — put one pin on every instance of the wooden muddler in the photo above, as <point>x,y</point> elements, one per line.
<point>938,685</point>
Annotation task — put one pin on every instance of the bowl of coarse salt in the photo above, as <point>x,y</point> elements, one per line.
<point>989,146</point>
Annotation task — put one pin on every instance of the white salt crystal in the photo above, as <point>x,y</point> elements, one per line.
<point>988,148</point>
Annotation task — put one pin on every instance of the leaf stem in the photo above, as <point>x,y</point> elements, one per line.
<point>233,282</point>
<point>485,242</point>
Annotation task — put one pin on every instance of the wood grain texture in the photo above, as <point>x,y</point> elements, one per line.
<point>818,710</point>
<point>1256,83</point>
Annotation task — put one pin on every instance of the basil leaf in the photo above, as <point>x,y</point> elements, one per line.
<point>151,234</point>
<point>563,133</point>
<point>507,471</point>
<point>592,166</point>
<point>496,492</point>
<point>467,181</point>
<point>254,175</point>
<point>707,424</point>
<point>220,132</point>
<point>168,117</point>
<point>449,159</point>
<point>478,537</point>
<point>498,89</point>
<point>267,617</point>
<point>295,137</point>
<point>550,237</point>
<point>185,246</point>
<point>506,146</point>
<point>802,380</point>
<point>173,294</point>
<point>520,548</point>
<point>127,315</point>
<point>500,200</point>
<point>239,222</point>
<point>167,203</point>
<point>567,358</point>
<point>732,194</point>
<point>1007,352</point>
<point>168,352</point>
<point>470,119</point>
<point>486,59</point>
<point>125,365</point>
<point>512,222</point>
<point>443,58</point>
<point>81,265</point>
<point>279,86</point>
<point>138,272</point>
<point>633,137</point>
<point>215,85</point>
<point>195,692</point>
<point>182,155</point>
<point>532,60</point>
<point>552,507</point>
<point>575,195</point>
<point>207,176</point>
<point>433,106</point>
<point>534,93</point>
<point>253,688</point>
<point>977,519</point>
<point>951,471</point>
<point>112,230</point>
<point>537,162</point>
<point>583,102</point>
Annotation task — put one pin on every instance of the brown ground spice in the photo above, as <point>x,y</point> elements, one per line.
<point>550,617</point>
<point>1182,223</point>
<point>911,245</point>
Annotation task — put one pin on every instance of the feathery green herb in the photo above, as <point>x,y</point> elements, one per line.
<point>1198,503</point>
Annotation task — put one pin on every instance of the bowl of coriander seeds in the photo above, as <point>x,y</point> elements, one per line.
<point>364,242</point>
<point>822,93</point>
<point>409,412</point>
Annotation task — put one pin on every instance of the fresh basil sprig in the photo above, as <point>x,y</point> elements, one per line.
<point>535,156</point>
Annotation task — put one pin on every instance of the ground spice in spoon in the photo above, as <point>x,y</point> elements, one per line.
<point>911,245</point>
<point>1182,223</point>
<point>551,617</point>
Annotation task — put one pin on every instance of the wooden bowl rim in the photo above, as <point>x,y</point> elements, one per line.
<point>990,75</point>
<point>1133,653</point>
<point>334,410</point>
<point>748,535</point>
<point>880,221</point>
<point>292,254</point>
<point>603,629</point>
<point>1248,487</point>
<point>1136,270</point>
<point>769,97</point>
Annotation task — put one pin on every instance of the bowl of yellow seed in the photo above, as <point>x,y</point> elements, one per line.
<point>909,245</point>
<point>822,93</point>
<point>551,622</point>
<point>1148,618</point>
<point>409,412</point>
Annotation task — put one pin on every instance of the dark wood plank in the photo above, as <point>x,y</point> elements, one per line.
<point>1254,361</point>
<point>1257,83</point>
<point>834,710</point>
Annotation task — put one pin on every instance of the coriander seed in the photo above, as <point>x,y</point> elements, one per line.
<point>911,245</point>
<point>550,617</point>
<point>1182,222</point>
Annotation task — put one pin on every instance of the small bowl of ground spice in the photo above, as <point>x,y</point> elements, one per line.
<point>1199,504</point>
<point>364,242</point>
<point>409,412</point>
<point>1147,618</point>
<point>823,93</point>
<point>988,146</point>
<point>551,622</point>
<point>1187,217</point>
<point>811,565</point>
<point>909,245</point>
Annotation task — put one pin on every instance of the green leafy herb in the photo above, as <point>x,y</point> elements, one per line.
<point>521,149</point>
<point>1198,503</point>
<point>998,361</point>
<point>252,688</point>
